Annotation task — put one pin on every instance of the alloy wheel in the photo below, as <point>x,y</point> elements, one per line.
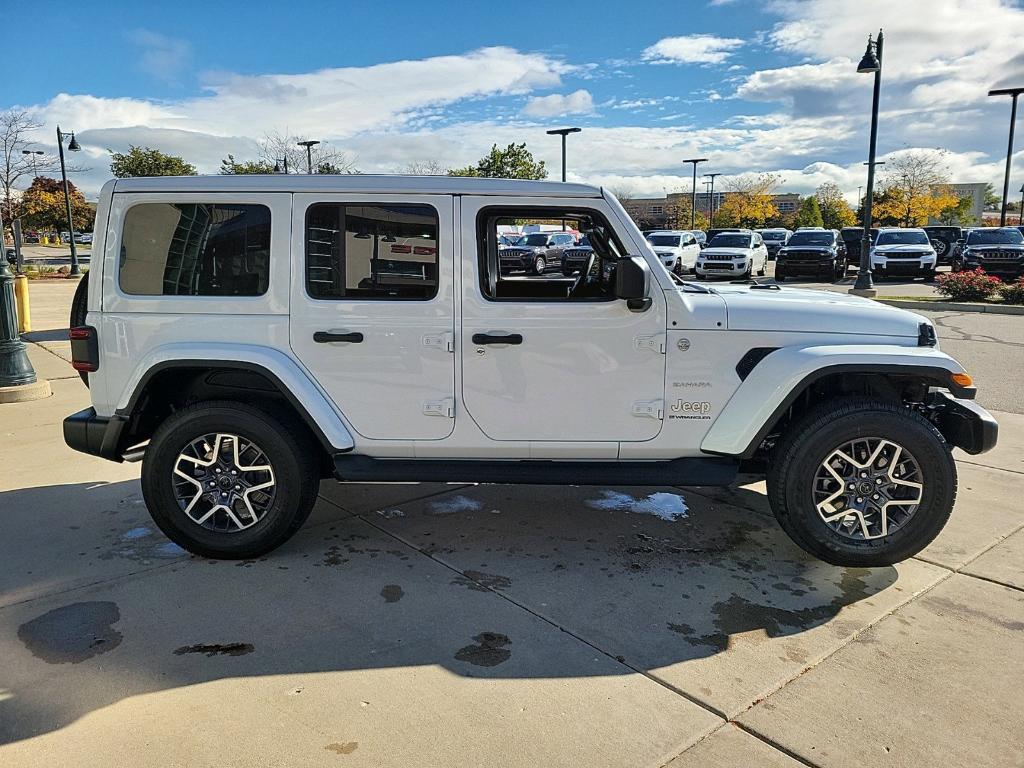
<point>868,488</point>
<point>223,482</point>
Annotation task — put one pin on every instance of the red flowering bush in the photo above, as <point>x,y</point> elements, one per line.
<point>1014,292</point>
<point>971,285</point>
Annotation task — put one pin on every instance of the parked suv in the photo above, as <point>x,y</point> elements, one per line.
<point>905,252</point>
<point>774,239</point>
<point>945,241</point>
<point>246,336</point>
<point>818,253</point>
<point>536,252</point>
<point>678,250</point>
<point>997,250</point>
<point>736,253</point>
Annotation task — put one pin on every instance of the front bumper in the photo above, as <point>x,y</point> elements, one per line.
<point>724,268</point>
<point>806,266</point>
<point>96,435</point>
<point>903,266</point>
<point>964,423</point>
<point>1008,267</point>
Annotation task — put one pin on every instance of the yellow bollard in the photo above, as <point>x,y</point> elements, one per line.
<point>21,300</point>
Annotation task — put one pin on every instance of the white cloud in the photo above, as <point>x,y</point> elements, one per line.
<point>691,49</point>
<point>576,103</point>
<point>165,58</point>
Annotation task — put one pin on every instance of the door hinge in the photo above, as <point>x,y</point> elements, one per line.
<point>443,341</point>
<point>445,408</point>
<point>651,409</point>
<point>655,343</point>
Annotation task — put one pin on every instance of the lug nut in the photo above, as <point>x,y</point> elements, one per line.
<point>233,472</point>
<point>878,481</point>
<point>875,496</point>
<point>860,500</point>
<point>863,474</point>
<point>238,487</point>
<point>217,470</point>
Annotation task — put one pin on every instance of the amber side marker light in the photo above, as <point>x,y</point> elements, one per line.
<point>962,379</point>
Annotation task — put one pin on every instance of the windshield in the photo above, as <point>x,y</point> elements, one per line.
<point>902,237</point>
<point>810,238</point>
<point>1006,236</point>
<point>538,238</point>
<point>670,240</point>
<point>773,235</point>
<point>583,243</point>
<point>730,240</point>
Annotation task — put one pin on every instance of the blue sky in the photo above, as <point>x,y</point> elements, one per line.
<point>756,86</point>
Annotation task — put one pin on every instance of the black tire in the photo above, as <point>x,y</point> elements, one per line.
<point>780,274</point>
<point>79,310</point>
<point>539,265</point>
<point>288,449</point>
<point>762,270</point>
<point>929,277</point>
<point>677,268</point>
<point>811,439</point>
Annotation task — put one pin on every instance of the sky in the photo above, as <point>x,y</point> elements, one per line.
<point>768,86</point>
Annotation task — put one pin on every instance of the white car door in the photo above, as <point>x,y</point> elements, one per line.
<point>546,367</point>
<point>691,250</point>
<point>372,309</point>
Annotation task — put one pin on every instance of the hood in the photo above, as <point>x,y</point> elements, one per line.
<point>720,251</point>
<point>903,247</point>
<point>803,310</point>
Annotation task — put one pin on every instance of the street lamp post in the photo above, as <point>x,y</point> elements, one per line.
<point>711,202</point>
<point>33,153</point>
<point>1013,93</point>
<point>72,147</point>
<point>693,191</point>
<point>870,63</point>
<point>280,162</point>
<point>308,144</point>
<point>1020,211</point>
<point>563,132</point>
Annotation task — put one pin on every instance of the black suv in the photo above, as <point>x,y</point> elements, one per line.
<point>575,258</point>
<point>535,253</point>
<point>817,252</point>
<point>852,240</point>
<point>997,250</point>
<point>945,241</point>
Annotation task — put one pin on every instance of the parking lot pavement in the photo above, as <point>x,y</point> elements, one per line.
<point>462,625</point>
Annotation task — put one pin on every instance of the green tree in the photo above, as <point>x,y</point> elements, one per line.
<point>143,161</point>
<point>836,213</point>
<point>748,201</point>
<point>958,214</point>
<point>231,167</point>
<point>809,213</point>
<point>43,206</point>
<point>513,162</point>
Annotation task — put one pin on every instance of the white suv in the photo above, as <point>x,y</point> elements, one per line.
<point>246,336</point>
<point>678,250</point>
<point>735,253</point>
<point>907,252</point>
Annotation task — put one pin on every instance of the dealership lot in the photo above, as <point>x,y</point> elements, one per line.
<point>454,625</point>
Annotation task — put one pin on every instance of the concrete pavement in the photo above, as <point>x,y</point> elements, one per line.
<point>456,626</point>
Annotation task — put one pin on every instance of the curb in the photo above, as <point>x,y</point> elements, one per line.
<point>952,306</point>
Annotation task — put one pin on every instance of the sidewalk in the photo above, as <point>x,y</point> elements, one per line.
<point>438,625</point>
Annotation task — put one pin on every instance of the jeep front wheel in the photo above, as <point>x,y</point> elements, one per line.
<point>862,482</point>
<point>226,480</point>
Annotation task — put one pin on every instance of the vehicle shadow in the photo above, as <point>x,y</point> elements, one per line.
<point>53,334</point>
<point>493,582</point>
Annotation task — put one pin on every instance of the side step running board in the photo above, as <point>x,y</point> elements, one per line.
<point>687,471</point>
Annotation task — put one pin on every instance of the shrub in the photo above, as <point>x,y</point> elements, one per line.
<point>1014,292</point>
<point>972,285</point>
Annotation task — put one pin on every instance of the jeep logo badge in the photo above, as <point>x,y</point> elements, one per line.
<point>683,344</point>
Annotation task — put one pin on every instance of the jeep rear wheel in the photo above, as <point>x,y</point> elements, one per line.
<point>79,310</point>
<point>862,482</point>
<point>226,480</point>
<point>539,265</point>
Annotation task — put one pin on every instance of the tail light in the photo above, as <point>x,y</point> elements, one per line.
<point>85,348</point>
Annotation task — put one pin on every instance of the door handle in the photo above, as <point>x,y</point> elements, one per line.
<point>497,338</point>
<point>326,337</point>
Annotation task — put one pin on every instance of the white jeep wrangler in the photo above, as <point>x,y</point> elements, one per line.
<point>246,336</point>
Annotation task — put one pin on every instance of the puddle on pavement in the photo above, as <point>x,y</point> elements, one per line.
<point>490,650</point>
<point>667,506</point>
<point>73,633</point>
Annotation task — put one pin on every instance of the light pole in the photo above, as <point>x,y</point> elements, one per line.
<point>1020,211</point>
<point>870,63</point>
<point>693,191</point>
<point>711,203</point>
<point>308,144</point>
<point>280,162</point>
<point>72,147</point>
<point>33,153</point>
<point>1013,93</point>
<point>563,132</point>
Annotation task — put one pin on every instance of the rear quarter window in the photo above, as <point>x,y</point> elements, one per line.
<point>195,249</point>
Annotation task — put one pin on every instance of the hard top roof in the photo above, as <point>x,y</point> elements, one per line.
<point>356,183</point>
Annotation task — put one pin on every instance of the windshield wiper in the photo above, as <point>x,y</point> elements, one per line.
<point>691,286</point>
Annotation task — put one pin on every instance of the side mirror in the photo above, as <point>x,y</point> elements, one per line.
<point>632,278</point>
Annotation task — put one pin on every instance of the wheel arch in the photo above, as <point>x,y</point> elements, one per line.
<point>788,381</point>
<point>168,381</point>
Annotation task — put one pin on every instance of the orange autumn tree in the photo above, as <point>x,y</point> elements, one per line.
<point>42,206</point>
<point>915,188</point>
